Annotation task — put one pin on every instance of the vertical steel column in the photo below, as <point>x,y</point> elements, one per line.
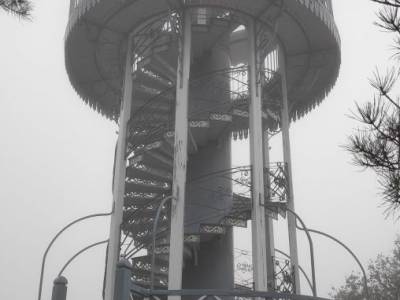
<point>123,280</point>
<point>257,165</point>
<point>329,5</point>
<point>119,178</point>
<point>269,225</point>
<point>59,288</point>
<point>288,163</point>
<point>180,158</point>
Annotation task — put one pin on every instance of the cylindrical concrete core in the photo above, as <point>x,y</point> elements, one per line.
<point>210,198</point>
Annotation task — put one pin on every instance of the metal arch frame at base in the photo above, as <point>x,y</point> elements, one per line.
<point>58,234</point>
<point>219,293</point>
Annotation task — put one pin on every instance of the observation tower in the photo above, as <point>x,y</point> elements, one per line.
<point>182,78</point>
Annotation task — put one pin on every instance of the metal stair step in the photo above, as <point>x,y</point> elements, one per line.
<point>153,160</point>
<point>234,221</point>
<point>192,238</point>
<point>141,200</point>
<point>146,212</point>
<point>158,40</point>
<point>240,114</point>
<point>171,68</point>
<point>148,173</point>
<point>168,162</point>
<point>188,239</point>
<point>150,79</point>
<point>165,249</point>
<point>146,92</point>
<point>160,249</point>
<point>143,222</point>
<point>200,130</point>
<point>160,146</point>
<point>143,266</point>
<point>146,260</point>
<point>144,231</point>
<point>147,138</point>
<point>217,118</point>
<point>147,116</point>
<point>137,138</point>
<point>142,216</point>
<point>213,229</point>
<point>155,105</point>
<point>142,63</point>
<point>241,202</point>
<point>219,123</point>
<point>159,71</point>
<point>146,206</point>
<point>146,187</point>
<point>145,238</point>
<point>160,67</point>
<point>145,282</point>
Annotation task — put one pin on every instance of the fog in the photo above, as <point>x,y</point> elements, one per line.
<point>56,159</point>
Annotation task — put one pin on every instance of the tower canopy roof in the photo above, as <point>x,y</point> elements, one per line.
<point>95,44</point>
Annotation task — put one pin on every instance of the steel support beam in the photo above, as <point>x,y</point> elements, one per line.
<point>288,163</point>
<point>329,5</point>
<point>180,158</point>
<point>257,165</point>
<point>59,289</point>
<point>123,280</point>
<point>269,224</point>
<point>119,179</point>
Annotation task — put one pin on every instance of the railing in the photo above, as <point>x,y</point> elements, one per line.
<point>217,294</point>
<point>202,16</point>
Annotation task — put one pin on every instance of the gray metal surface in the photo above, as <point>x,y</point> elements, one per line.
<point>167,71</point>
<point>59,288</point>
<point>222,293</point>
<point>96,33</point>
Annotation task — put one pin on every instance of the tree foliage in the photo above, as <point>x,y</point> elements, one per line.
<point>376,144</point>
<point>21,8</point>
<point>394,3</point>
<point>383,279</point>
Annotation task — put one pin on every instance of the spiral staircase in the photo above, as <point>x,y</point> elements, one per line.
<point>150,150</point>
<point>99,34</point>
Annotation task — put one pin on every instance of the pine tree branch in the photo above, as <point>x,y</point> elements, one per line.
<point>20,8</point>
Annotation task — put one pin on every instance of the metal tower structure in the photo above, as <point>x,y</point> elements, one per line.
<point>182,78</point>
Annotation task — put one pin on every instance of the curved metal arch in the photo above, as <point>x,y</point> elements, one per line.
<point>300,267</point>
<point>57,236</point>
<point>311,250</point>
<point>79,253</point>
<point>365,278</point>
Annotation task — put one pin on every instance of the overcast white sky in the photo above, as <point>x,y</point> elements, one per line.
<point>56,159</point>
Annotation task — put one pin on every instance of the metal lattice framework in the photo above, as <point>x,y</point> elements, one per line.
<point>182,78</point>
<point>284,276</point>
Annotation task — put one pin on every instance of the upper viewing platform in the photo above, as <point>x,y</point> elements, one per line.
<point>98,31</point>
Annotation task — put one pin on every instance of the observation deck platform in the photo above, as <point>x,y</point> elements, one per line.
<point>95,43</point>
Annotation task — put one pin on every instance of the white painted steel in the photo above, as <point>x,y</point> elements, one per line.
<point>269,224</point>
<point>288,162</point>
<point>256,158</point>
<point>180,160</point>
<point>119,179</point>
